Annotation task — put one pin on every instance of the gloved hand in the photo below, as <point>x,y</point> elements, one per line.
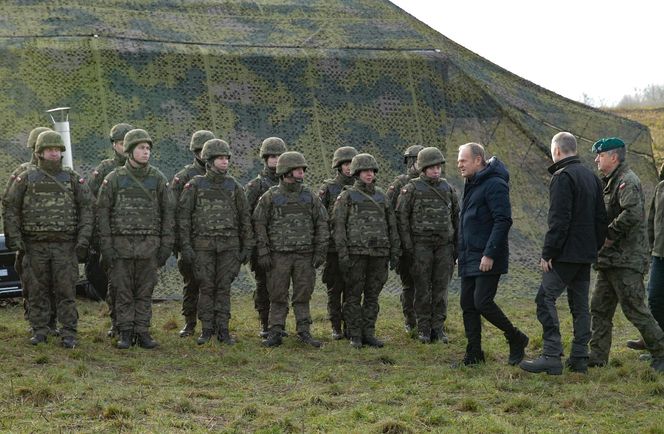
<point>318,260</point>
<point>81,252</point>
<point>244,255</point>
<point>162,256</point>
<point>265,262</point>
<point>188,255</point>
<point>344,264</point>
<point>394,261</point>
<point>108,257</point>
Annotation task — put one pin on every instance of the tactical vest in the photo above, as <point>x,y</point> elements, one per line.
<point>366,225</point>
<point>215,213</point>
<point>46,206</point>
<point>291,222</point>
<point>134,213</point>
<point>431,214</point>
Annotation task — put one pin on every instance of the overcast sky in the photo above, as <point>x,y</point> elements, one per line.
<point>604,49</point>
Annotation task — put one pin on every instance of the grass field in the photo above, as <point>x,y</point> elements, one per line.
<point>404,387</point>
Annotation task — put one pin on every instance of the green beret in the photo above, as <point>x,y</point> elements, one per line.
<point>607,143</point>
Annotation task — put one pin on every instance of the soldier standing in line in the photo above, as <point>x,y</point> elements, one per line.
<point>32,141</point>
<point>271,149</point>
<point>215,236</point>
<point>622,260</point>
<point>367,238</point>
<point>407,295</point>
<point>290,224</point>
<point>94,271</point>
<point>428,216</point>
<point>49,218</point>
<point>332,276</point>
<point>190,290</point>
<point>135,217</point>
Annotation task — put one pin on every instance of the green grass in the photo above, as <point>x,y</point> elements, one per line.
<point>404,387</point>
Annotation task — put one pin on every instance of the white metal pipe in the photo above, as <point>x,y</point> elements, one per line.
<point>60,118</point>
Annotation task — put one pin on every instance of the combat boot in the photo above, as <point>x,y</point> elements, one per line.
<point>595,362</point>
<point>189,328</point>
<point>636,344</point>
<point>273,338</point>
<point>577,364</point>
<point>126,339</point>
<point>356,342</point>
<point>424,337</point>
<point>111,332</point>
<point>518,342</point>
<point>337,334</point>
<point>658,364</point>
<point>69,342</point>
<point>265,329</point>
<point>438,335</point>
<point>224,336</point>
<point>205,336</point>
<point>372,341</point>
<point>144,340</point>
<point>473,358</point>
<point>38,339</point>
<point>549,364</point>
<point>306,338</point>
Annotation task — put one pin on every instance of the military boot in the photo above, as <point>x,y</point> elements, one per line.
<point>424,337</point>
<point>38,339</point>
<point>658,364</point>
<point>306,338</point>
<point>111,333</point>
<point>356,342</point>
<point>372,341</point>
<point>518,342</point>
<point>637,344</point>
<point>337,334</point>
<point>144,340</point>
<point>224,336</point>
<point>473,358</point>
<point>273,338</point>
<point>265,329</point>
<point>69,342</point>
<point>438,335</point>
<point>549,364</point>
<point>126,339</point>
<point>577,364</point>
<point>189,327</point>
<point>205,336</point>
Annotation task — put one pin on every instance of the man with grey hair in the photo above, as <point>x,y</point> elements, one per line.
<point>577,228</point>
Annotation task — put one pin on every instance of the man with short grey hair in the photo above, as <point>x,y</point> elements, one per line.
<point>577,228</point>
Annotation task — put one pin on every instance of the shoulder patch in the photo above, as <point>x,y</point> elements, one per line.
<point>105,181</point>
<point>622,186</point>
<point>95,173</point>
<point>391,188</point>
<point>187,185</point>
<point>404,190</point>
<point>13,177</point>
<point>18,179</point>
<point>81,180</point>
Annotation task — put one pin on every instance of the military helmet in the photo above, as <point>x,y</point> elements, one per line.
<point>290,160</point>
<point>32,137</point>
<point>429,157</point>
<point>363,162</point>
<point>134,137</point>
<point>272,146</point>
<point>119,130</point>
<point>342,155</point>
<point>199,138</point>
<point>411,152</point>
<point>49,139</point>
<point>215,148</point>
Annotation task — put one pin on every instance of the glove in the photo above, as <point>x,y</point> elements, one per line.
<point>394,261</point>
<point>344,264</point>
<point>188,255</point>
<point>318,260</point>
<point>162,256</point>
<point>81,252</point>
<point>108,257</point>
<point>265,262</point>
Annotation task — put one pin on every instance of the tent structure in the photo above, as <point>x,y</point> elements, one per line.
<point>318,73</point>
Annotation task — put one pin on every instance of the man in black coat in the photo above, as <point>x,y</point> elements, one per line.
<point>577,228</point>
<point>486,218</point>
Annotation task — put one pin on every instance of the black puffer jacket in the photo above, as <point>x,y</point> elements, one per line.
<point>486,218</point>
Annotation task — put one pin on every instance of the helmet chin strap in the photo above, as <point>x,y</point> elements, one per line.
<point>131,157</point>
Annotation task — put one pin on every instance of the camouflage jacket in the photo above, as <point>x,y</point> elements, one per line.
<point>656,222</point>
<point>624,200</point>
<point>104,168</point>
<point>364,223</point>
<point>259,185</point>
<point>48,205</point>
<point>428,212</point>
<point>213,214</point>
<point>328,193</point>
<point>177,185</point>
<point>135,217</point>
<point>399,182</point>
<point>290,218</point>
<point>21,168</point>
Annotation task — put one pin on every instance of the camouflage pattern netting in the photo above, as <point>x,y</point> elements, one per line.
<point>318,73</point>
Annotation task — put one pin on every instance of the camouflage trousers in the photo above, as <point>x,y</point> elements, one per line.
<point>190,291</point>
<point>215,272</point>
<point>260,295</point>
<point>334,281</point>
<point>134,281</point>
<point>25,290</point>
<point>364,282</point>
<point>51,271</point>
<point>431,271</point>
<point>407,296</point>
<point>297,267</point>
<point>624,286</point>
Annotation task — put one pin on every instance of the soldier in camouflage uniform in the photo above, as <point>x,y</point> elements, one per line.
<point>49,217</point>
<point>191,288</point>
<point>407,295</point>
<point>290,224</point>
<point>215,236</point>
<point>332,276</point>
<point>94,271</point>
<point>32,141</point>
<point>135,216</point>
<point>622,260</point>
<point>271,149</point>
<point>366,238</point>
<point>428,216</point>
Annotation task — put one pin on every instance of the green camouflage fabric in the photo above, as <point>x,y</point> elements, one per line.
<point>286,267</point>
<point>104,168</point>
<point>394,189</point>
<point>328,193</point>
<point>364,282</point>
<point>215,271</point>
<point>656,222</point>
<point>364,223</point>
<point>260,184</point>
<point>625,207</point>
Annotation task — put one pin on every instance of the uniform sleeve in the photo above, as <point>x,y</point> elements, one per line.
<point>14,206</point>
<point>324,195</point>
<point>167,215</point>
<point>651,220</point>
<point>260,221</point>
<point>84,202</point>
<point>244,217</point>
<point>10,181</point>
<point>339,218</point>
<point>393,192</point>
<point>321,228</point>
<point>404,208</point>
<point>185,207</point>
<point>96,179</point>
<point>631,209</point>
<point>252,189</point>
<point>395,241</point>
<point>177,186</point>
<point>105,201</point>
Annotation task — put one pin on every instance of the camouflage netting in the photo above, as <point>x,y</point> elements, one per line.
<point>319,73</point>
